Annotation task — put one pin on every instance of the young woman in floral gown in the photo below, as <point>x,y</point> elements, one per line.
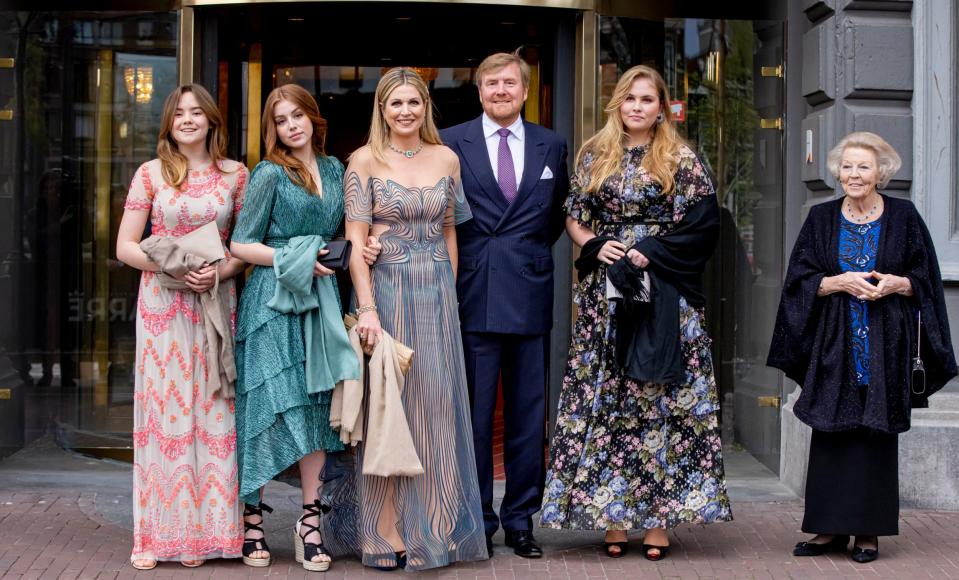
<point>628,454</point>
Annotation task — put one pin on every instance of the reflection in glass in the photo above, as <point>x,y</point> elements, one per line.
<point>712,70</point>
<point>87,90</point>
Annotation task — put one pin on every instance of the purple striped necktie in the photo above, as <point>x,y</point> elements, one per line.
<point>506,173</point>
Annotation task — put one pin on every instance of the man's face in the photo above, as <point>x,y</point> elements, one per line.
<point>502,94</point>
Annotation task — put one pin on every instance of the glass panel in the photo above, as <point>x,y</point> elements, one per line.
<point>713,69</point>
<point>86,90</point>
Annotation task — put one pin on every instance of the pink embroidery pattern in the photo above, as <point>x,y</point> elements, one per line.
<point>185,474</point>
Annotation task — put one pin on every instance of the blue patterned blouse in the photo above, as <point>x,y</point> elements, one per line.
<point>858,246</point>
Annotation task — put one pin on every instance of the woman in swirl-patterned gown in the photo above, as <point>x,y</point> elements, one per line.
<point>403,187</point>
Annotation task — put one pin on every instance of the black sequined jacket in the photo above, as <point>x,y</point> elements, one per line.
<point>810,342</point>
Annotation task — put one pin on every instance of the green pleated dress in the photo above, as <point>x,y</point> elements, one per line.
<point>277,421</point>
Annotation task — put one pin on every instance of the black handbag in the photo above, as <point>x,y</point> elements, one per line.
<point>339,256</point>
<point>917,379</point>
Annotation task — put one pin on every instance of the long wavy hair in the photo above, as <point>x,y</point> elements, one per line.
<point>379,131</point>
<point>660,161</point>
<point>174,166</point>
<point>279,153</point>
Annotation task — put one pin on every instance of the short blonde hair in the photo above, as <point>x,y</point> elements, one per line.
<point>887,158</point>
<point>494,62</point>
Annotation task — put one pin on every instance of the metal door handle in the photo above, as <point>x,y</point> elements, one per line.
<point>776,123</point>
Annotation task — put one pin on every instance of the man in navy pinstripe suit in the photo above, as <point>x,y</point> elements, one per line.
<point>515,178</point>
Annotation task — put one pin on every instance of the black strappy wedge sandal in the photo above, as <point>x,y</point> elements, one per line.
<point>259,544</point>
<point>306,551</point>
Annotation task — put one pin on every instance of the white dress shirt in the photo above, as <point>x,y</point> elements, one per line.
<point>516,141</point>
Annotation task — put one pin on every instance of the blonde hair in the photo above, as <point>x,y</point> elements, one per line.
<point>379,131</point>
<point>660,161</point>
<point>499,60</point>
<point>279,153</point>
<point>174,166</point>
<point>887,158</point>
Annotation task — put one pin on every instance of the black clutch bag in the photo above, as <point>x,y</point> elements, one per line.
<point>917,379</point>
<point>339,256</point>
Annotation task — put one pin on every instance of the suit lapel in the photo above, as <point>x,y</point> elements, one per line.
<point>477,156</point>
<point>534,161</point>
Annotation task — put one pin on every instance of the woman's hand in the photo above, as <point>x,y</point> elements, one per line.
<point>319,270</point>
<point>201,280</point>
<point>611,251</point>
<point>369,330</point>
<point>892,284</point>
<point>853,283</point>
<point>637,258</point>
<point>372,249</point>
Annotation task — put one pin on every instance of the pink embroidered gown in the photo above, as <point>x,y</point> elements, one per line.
<point>184,460</point>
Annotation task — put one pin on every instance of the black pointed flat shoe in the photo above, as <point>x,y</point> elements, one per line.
<point>864,555</point>
<point>837,544</point>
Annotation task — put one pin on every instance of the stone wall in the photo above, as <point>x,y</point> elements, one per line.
<point>858,73</point>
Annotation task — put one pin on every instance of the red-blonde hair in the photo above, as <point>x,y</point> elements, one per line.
<point>279,153</point>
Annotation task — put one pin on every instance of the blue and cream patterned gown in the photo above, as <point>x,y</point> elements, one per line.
<point>630,455</point>
<point>858,246</point>
<point>438,514</point>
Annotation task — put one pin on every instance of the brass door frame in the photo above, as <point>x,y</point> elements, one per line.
<point>586,59</point>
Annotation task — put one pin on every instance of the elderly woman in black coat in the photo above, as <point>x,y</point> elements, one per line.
<point>863,287</point>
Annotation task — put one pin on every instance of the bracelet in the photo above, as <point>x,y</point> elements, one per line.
<point>367,308</point>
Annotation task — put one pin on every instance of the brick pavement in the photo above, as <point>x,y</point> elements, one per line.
<point>69,521</point>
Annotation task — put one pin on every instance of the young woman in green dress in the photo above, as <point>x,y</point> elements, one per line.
<point>287,362</point>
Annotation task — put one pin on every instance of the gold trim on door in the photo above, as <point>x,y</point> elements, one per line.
<point>568,4</point>
<point>254,97</point>
<point>186,51</point>
<point>103,170</point>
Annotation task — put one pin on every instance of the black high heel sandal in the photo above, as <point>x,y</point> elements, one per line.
<point>306,551</point>
<point>623,548</point>
<point>663,551</point>
<point>400,563</point>
<point>259,544</point>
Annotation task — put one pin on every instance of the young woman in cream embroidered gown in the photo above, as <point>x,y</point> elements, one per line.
<point>184,475</point>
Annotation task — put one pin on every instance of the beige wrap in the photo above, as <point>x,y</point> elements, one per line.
<point>176,257</point>
<point>389,449</point>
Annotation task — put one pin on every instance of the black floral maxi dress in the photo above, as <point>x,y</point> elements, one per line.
<point>626,454</point>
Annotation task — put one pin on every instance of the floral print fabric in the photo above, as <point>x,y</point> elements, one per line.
<point>858,247</point>
<point>627,454</point>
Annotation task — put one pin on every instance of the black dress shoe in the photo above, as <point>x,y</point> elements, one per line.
<point>523,544</point>
<point>489,545</point>
<point>864,555</point>
<point>837,544</point>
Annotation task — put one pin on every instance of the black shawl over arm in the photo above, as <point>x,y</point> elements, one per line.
<point>647,338</point>
<point>680,255</point>
<point>809,340</point>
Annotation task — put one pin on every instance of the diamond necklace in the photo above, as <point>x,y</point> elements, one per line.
<point>409,153</point>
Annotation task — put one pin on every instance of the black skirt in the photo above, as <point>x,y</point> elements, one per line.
<point>852,484</point>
